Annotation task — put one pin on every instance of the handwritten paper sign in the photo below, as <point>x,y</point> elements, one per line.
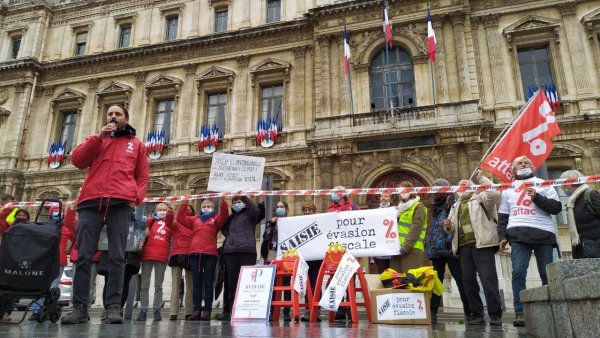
<point>230,173</point>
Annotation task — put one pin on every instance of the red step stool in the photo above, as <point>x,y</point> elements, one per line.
<point>328,267</point>
<point>288,267</point>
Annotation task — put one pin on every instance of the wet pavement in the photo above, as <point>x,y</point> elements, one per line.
<point>449,326</point>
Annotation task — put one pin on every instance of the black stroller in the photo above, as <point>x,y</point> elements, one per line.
<point>29,262</point>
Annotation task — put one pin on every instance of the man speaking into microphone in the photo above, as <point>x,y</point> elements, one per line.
<point>116,182</point>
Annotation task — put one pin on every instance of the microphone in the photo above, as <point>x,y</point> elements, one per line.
<point>113,121</point>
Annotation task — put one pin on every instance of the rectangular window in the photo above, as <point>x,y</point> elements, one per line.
<point>221,20</point>
<point>271,102</point>
<point>171,32</point>
<point>273,10</point>
<point>215,111</point>
<point>125,36</point>
<point>80,41</point>
<point>534,63</point>
<point>67,131</point>
<point>15,47</point>
<point>164,117</point>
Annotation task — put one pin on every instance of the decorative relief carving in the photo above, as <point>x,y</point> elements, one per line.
<point>532,24</point>
<point>93,83</point>
<point>68,97</point>
<point>19,87</point>
<point>4,114</point>
<point>567,8</point>
<point>589,21</point>
<point>3,95</point>
<point>115,89</point>
<point>490,21</point>
<point>270,65</point>
<point>457,18</point>
<point>214,74</point>
<point>243,60</point>
<point>163,82</point>
<point>190,69</point>
<point>140,76</point>
<point>300,51</point>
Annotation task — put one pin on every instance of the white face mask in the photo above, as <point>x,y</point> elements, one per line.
<point>524,172</point>
<point>161,214</point>
<point>384,204</point>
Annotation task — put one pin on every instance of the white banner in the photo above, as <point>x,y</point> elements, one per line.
<point>253,293</point>
<point>363,233</point>
<point>333,295</point>
<point>399,306</point>
<point>231,173</point>
<point>301,277</point>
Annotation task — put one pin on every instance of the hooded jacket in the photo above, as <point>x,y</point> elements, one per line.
<point>66,234</point>
<point>118,167</point>
<point>240,233</point>
<point>203,233</point>
<point>159,239</point>
<point>346,206</point>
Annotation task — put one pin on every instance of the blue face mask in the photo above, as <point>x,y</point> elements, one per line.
<point>55,215</point>
<point>237,207</point>
<point>280,212</point>
<point>567,191</point>
<point>335,198</point>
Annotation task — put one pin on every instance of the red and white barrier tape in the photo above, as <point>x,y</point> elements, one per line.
<point>367,191</point>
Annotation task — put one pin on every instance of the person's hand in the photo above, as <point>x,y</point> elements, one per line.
<point>131,205</point>
<point>106,130</point>
<point>274,220</point>
<point>478,174</point>
<point>531,192</point>
<point>146,232</point>
<point>503,244</point>
<point>447,224</point>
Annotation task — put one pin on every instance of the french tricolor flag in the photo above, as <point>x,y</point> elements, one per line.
<point>387,25</point>
<point>346,52</point>
<point>430,38</point>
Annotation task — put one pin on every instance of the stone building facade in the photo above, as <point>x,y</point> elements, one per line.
<point>62,62</point>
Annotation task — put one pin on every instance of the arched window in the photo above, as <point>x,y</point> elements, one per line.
<point>401,89</point>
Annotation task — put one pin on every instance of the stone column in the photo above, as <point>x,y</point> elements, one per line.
<point>482,63</point>
<point>146,26</point>
<point>450,153</point>
<point>309,87</point>
<point>325,166</point>
<point>100,34</point>
<point>18,119</point>
<point>184,117</point>
<point>462,63</point>
<point>593,152</point>
<point>245,22</point>
<point>195,18</point>
<point>346,170</point>
<point>138,104</point>
<point>295,116</point>
<point>362,100</point>
<point>581,69</point>
<point>245,120</point>
<point>502,80</point>
<point>441,77</point>
<point>322,73</point>
<point>336,73</point>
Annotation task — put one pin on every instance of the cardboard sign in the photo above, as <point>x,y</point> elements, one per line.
<point>253,293</point>
<point>301,277</point>
<point>231,173</point>
<point>363,233</point>
<point>333,295</point>
<point>399,306</point>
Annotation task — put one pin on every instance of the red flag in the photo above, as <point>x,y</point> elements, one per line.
<point>346,52</point>
<point>431,41</point>
<point>531,136</point>
<point>387,25</point>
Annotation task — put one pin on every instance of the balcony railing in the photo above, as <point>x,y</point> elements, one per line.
<point>393,115</point>
<point>12,2</point>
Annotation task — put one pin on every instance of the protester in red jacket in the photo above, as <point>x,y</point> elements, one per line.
<point>155,256</point>
<point>7,203</point>
<point>179,261</point>
<point>203,252</point>
<point>67,234</point>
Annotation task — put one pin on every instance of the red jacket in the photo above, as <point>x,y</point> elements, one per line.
<point>159,239</point>
<point>118,168</point>
<point>4,225</point>
<point>346,206</point>
<point>204,234</point>
<point>67,233</point>
<point>182,236</point>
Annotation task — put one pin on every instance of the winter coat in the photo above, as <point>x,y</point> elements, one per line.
<point>438,244</point>
<point>203,233</point>
<point>484,228</point>
<point>118,167</point>
<point>346,206</point>
<point>67,235</point>
<point>158,241</point>
<point>240,231</point>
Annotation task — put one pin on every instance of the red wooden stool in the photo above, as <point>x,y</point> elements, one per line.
<point>328,267</point>
<point>288,267</point>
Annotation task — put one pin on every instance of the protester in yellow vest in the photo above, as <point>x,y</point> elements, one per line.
<point>412,224</point>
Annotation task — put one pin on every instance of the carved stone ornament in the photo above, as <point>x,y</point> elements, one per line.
<point>4,114</point>
<point>568,8</point>
<point>115,89</point>
<point>68,97</point>
<point>215,74</point>
<point>243,60</point>
<point>269,66</point>
<point>3,95</point>
<point>140,76</point>
<point>590,21</point>
<point>93,83</point>
<point>163,82</point>
<point>530,25</point>
<point>218,3</point>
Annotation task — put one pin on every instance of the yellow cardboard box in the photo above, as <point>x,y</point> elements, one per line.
<point>397,306</point>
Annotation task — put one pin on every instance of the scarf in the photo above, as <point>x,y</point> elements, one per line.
<point>403,206</point>
<point>205,216</point>
<point>571,215</point>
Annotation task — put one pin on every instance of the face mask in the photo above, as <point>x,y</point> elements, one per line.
<point>405,196</point>
<point>280,211</point>
<point>567,191</point>
<point>524,172</point>
<point>161,214</point>
<point>20,220</point>
<point>55,215</point>
<point>207,210</point>
<point>384,205</point>
<point>335,198</point>
<point>237,207</point>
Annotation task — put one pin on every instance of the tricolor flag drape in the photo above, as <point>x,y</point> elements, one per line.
<point>155,143</point>
<point>209,138</point>
<point>56,154</point>
<point>346,52</point>
<point>431,41</point>
<point>387,25</point>
<point>551,93</point>
<point>266,132</point>
<point>530,135</point>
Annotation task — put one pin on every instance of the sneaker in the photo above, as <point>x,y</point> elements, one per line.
<point>173,318</point>
<point>496,321</point>
<point>157,315</point>
<point>287,317</point>
<point>477,321</point>
<point>142,316</point>
<point>519,320</point>
<point>339,316</point>
<point>78,315</point>
<point>113,314</point>
<point>205,316</point>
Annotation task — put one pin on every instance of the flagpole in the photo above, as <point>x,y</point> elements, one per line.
<point>502,135</point>
<point>387,75</point>
<point>351,100</point>
<point>432,81</point>
<point>347,61</point>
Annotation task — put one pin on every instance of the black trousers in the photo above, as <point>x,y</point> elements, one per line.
<point>481,262</point>
<point>439,265</point>
<point>233,265</point>
<point>130,271</point>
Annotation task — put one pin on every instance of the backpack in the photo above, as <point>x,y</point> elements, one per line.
<point>587,197</point>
